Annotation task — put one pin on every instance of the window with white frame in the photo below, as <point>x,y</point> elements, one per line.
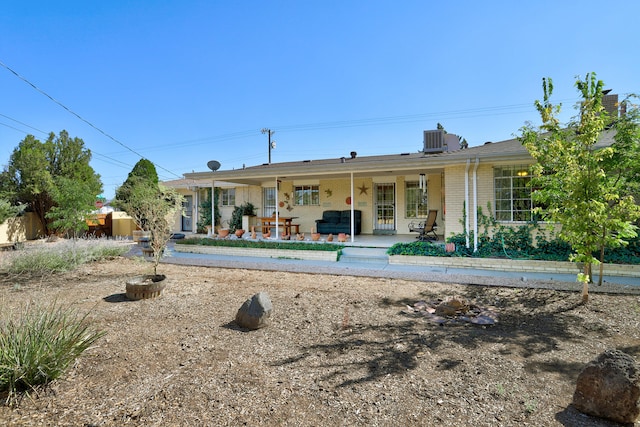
<point>415,200</point>
<point>228,197</point>
<point>306,195</point>
<point>512,192</point>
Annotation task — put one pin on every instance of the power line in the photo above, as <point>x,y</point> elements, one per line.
<point>23,124</point>
<point>436,116</point>
<point>113,161</point>
<point>24,79</point>
<point>10,127</point>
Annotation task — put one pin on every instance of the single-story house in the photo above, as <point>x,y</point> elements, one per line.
<point>390,191</point>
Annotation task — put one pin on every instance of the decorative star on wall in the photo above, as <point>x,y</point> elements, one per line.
<point>363,189</point>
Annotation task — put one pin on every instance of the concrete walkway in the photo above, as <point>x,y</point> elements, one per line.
<point>361,262</point>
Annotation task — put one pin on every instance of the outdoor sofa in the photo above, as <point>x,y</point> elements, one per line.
<point>339,222</point>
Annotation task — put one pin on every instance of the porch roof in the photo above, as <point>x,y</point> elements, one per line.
<point>190,184</point>
<point>382,165</point>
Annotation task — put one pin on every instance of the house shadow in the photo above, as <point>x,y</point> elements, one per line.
<point>529,324</point>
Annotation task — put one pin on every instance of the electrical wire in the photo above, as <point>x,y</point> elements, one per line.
<point>23,124</point>
<point>24,79</point>
<point>453,114</point>
<point>110,160</point>
<point>440,116</point>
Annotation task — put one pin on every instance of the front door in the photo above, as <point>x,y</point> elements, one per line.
<point>384,208</point>
<point>268,201</point>
<point>187,215</point>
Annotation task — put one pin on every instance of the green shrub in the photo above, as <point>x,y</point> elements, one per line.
<point>418,249</point>
<point>204,211</point>
<point>242,243</point>
<point>629,254</point>
<point>238,212</point>
<point>39,345</point>
<point>515,243</point>
<point>46,258</point>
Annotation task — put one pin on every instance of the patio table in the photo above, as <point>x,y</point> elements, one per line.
<point>286,222</point>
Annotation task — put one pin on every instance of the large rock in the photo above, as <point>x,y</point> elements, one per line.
<point>255,312</point>
<point>609,387</point>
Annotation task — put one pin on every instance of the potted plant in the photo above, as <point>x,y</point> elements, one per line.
<point>153,207</point>
<point>246,209</point>
<point>223,230</point>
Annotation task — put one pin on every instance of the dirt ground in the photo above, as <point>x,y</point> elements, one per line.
<point>339,351</point>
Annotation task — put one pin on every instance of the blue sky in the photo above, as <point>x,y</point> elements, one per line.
<point>184,82</point>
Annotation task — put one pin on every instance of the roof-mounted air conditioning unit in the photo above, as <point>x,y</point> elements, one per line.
<point>434,141</point>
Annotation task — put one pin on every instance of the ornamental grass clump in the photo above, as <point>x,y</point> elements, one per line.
<point>37,345</point>
<point>47,258</point>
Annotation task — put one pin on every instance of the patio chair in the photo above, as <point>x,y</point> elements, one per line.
<point>426,229</point>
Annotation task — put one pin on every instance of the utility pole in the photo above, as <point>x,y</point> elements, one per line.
<point>272,144</point>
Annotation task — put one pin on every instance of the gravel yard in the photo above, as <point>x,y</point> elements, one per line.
<point>340,350</point>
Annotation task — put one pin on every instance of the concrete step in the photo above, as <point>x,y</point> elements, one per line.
<point>367,255</point>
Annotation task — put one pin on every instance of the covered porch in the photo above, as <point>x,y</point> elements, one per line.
<point>381,195</point>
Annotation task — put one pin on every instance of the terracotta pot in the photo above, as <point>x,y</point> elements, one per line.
<point>342,237</point>
<point>223,232</point>
<point>330,238</point>
<point>315,236</point>
<point>145,287</point>
<point>239,232</point>
<point>450,247</point>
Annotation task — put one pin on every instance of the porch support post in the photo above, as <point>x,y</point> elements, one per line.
<point>466,202</point>
<point>277,209</point>
<point>194,225</point>
<point>353,220</point>
<point>475,205</point>
<point>213,207</point>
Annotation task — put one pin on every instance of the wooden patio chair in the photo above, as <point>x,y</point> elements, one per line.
<point>426,229</point>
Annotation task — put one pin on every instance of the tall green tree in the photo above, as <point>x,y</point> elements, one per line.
<point>143,175</point>
<point>580,177</point>
<point>73,205</point>
<point>7,210</point>
<point>143,170</point>
<point>31,177</point>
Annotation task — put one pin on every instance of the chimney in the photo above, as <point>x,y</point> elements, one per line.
<point>610,104</point>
